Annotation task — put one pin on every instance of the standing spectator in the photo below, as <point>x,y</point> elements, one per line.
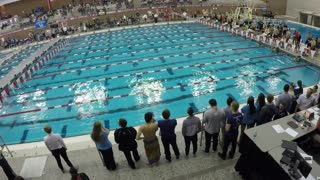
<point>249,115</point>
<point>259,104</point>
<point>227,109</point>
<point>126,138</point>
<point>213,119</point>
<point>190,129</point>
<point>100,135</point>
<point>232,131</point>
<point>168,136</point>
<point>315,93</point>
<point>305,101</point>
<point>291,91</point>
<point>56,145</point>
<point>261,101</point>
<point>11,175</point>
<point>285,98</point>
<point>282,112</point>
<point>299,90</point>
<point>268,111</point>
<point>227,112</point>
<point>151,143</point>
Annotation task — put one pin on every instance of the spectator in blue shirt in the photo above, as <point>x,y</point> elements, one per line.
<point>100,136</point>
<point>232,131</point>
<point>249,115</point>
<point>168,136</point>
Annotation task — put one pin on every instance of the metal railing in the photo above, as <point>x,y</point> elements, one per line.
<point>4,146</point>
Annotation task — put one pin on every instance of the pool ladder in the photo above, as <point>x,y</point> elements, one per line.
<point>4,145</point>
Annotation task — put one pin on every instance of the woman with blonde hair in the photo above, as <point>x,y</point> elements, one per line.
<point>99,135</point>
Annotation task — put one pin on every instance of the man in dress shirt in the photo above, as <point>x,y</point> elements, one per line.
<point>213,120</point>
<point>55,144</point>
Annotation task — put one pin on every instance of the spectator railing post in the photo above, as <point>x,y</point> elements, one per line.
<point>202,129</point>
<point>4,145</point>
<point>100,156</point>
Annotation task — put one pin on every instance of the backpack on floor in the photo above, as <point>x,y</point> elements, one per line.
<point>82,176</point>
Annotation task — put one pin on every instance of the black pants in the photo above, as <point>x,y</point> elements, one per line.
<point>188,140</point>
<point>227,141</point>
<point>214,138</point>
<point>167,141</point>
<point>63,153</point>
<point>6,168</point>
<point>108,158</point>
<point>129,157</point>
<point>243,128</point>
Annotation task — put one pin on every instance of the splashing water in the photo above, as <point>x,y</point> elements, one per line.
<point>146,90</point>
<point>246,84</point>
<point>89,93</point>
<point>273,82</point>
<point>31,101</point>
<point>200,84</point>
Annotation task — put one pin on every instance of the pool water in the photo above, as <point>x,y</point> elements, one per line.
<point>12,62</point>
<point>126,73</point>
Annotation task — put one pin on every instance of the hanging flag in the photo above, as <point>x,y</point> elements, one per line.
<point>7,91</point>
<point>26,75</point>
<point>21,79</point>
<point>15,84</point>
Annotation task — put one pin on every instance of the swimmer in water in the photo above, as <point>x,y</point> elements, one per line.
<point>297,58</point>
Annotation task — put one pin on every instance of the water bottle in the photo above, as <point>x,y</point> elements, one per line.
<point>255,135</point>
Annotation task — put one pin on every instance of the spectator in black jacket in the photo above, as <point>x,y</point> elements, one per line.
<point>282,112</point>
<point>125,137</point>
<point>268,111</point>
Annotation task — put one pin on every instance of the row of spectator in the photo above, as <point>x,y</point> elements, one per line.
<point>268,29</point>
<point>229,123</point>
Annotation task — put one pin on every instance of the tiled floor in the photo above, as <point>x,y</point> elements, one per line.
<point>203,166</point>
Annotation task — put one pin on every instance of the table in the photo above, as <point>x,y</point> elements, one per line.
<point>276,154</point>
<point>266,137</point>
<point>261,148</point>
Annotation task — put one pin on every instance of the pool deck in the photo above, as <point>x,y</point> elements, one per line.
<point>203,166</point>
<point>83,153</point>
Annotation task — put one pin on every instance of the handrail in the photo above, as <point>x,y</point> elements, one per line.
<point>4,145</point>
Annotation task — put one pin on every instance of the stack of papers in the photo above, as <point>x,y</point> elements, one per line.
<point>291,132</point>
<point>279,129</point>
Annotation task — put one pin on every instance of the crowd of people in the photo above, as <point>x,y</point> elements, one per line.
<point>57,30</point>
<point>229,123</point>
<point>279,31</point>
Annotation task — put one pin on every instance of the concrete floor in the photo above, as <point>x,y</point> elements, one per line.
<point>203,166</point>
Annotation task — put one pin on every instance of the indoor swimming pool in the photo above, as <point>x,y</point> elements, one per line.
<point>126,73</point>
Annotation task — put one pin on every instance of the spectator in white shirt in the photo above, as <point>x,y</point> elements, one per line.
<point>305,101</point>
<point>55,144</point>
<point>315,93</point>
